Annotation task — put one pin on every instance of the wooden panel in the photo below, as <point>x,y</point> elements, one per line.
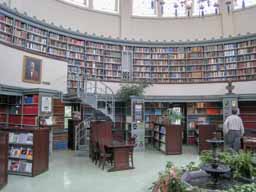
<point>40,162</point>
<point>121,158</point>
<point>173,139</point>
<point>40,151</point>
<point>3,159</point>
<point>205,132</point>
<point>248,114</point>
<point>101,131</point>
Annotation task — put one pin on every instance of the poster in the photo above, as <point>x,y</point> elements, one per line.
<point>46,106</point>
<point>138,132</point>
<point>138,112</point>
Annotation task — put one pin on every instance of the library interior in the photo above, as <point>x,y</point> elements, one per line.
<point>127,96</point>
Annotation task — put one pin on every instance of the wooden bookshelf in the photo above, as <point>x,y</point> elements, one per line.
<point>168,138</point>
<point>28,151</point>
<point>248,115</point>
<point>60,136</point>
<point>202,113</point>
<point>3,159</point>
<point>90,57</point>
<point>205,132</point>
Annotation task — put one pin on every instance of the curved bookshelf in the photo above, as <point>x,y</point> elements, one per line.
<point>117,60</point>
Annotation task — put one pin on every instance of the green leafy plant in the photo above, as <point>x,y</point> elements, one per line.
<point>243,188</point>
<point>192,166</point>
<point>174,116</point>
<point>240,163</point>
<point>127,90</point>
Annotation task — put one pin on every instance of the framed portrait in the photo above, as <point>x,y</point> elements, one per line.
<point>32,70</point>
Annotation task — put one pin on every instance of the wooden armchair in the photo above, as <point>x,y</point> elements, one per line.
<point>105,156</point>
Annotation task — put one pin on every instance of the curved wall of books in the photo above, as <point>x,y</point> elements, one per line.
<point>125,25</point>
<point>184,66</point>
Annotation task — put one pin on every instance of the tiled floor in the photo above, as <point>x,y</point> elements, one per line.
<point>69,173</point>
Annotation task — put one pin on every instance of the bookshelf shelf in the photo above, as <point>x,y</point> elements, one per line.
<point>214,61</point>
<point>28,151</point>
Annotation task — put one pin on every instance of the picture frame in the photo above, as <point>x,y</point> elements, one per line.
<point>32,70</point>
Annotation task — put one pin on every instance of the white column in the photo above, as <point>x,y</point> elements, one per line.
<point>227,25</point>
<point>90,4</point>
<point>125,16</point>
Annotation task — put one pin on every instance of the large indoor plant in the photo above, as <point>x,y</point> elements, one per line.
<point>173,117</point>
<point>129,89</point>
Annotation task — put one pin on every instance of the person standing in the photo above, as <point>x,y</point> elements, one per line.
<point>233,130</point>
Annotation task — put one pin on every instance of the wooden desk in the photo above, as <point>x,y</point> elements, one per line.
<point>121,156</point>
<point>3,158</point>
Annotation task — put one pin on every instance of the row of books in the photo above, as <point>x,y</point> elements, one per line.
<point>75,70</point>
<point>57,52</point>
<point>76,63</point>
<point>73,55</point>
<point>246,57</point>
<point>142,75</point>
<point>213,61</point>
<point>95,45</point>
<point>113,68</point>
<point>6,29</point>
<point>231,66</point>
<point>19,166</point>
<point>159,63</point>
<point>57,44</point>
<point>215,67</point>
<point>75,77</point>
<point>6,19</point>
<point>20,42</point>
<point>141,56</point>
<point>38,47</point>
<point>36,38</point>
<point>229,53</point>
<point>21,152</point>
<point>36,30</point>
<point>246,72</point>
<point>113,73</point>
<point>74,84</point>
<point>20,34</point>
<point>247,65</point>
<point>112,60</point>
<point>29,99</point>
<point>5,37</point>
<point>156,69</point>
<point>21,138</point>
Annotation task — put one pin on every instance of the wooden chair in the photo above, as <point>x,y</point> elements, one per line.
<point>131,140</point>
<point>105,156</point>
<point>95,152</point>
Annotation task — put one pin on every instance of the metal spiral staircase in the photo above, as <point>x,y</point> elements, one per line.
<point>101,98</point>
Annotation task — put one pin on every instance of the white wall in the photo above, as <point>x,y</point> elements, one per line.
<point>126,26</point>
<point>11,66</point>
<point>61,13</point>
<point>244,21</point>
<point>245,87</point>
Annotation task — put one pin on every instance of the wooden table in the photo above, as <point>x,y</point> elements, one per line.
<point>249,143</point>
<point>121,156</point>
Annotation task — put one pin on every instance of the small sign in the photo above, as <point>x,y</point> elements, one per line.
<point>46,105</point>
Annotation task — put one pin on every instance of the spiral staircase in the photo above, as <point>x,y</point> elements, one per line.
<point>101,99</point>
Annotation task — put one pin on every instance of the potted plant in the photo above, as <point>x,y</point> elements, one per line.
<point>173,116</point>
